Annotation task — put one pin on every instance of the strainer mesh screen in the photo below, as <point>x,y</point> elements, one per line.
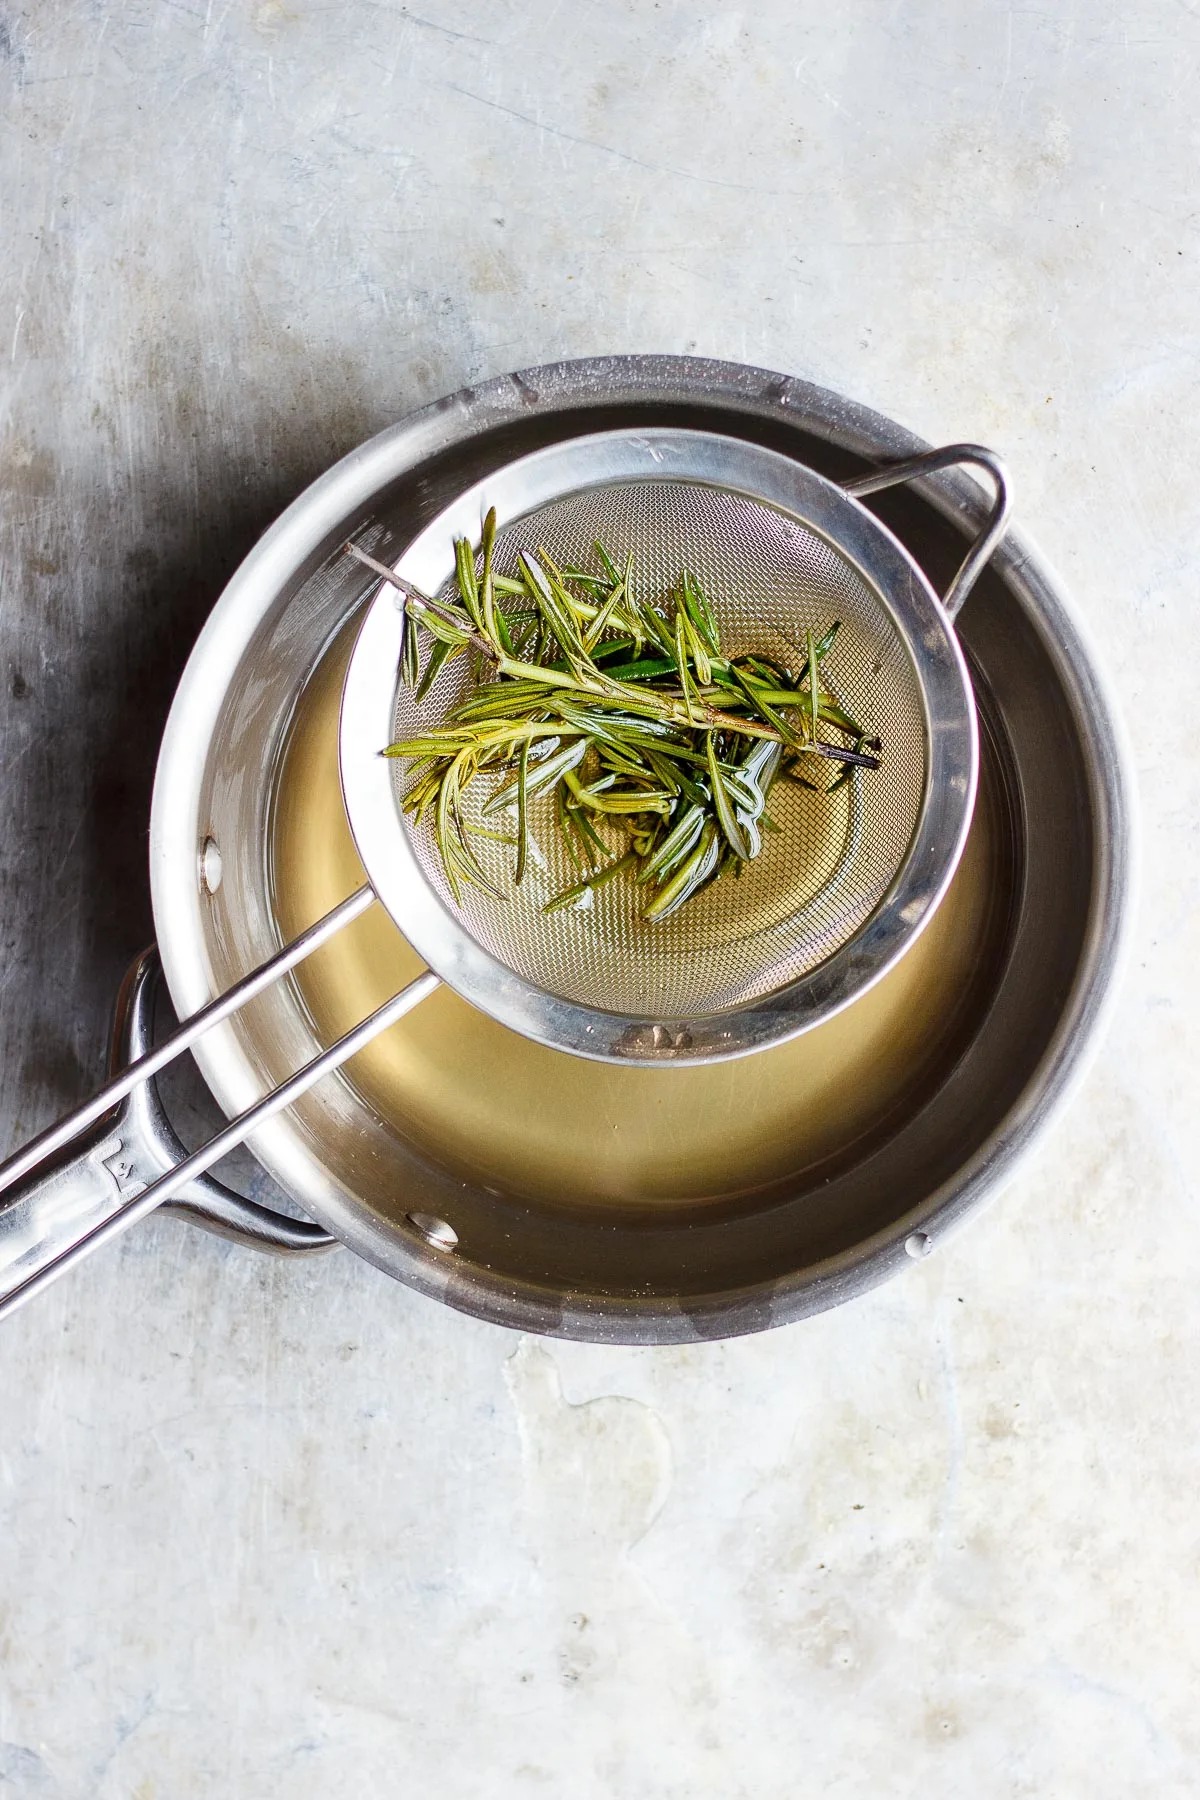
<point>768,579</point>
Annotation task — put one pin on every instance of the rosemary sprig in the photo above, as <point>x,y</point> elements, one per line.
<point>625,714</point>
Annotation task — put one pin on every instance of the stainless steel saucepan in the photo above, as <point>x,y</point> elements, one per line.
<point>475,1165</point>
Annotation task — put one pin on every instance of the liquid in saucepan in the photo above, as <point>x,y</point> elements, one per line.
<point>500,1110</point>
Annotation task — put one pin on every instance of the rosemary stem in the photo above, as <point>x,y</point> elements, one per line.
<point>705,717</point>
<point>419,603</point>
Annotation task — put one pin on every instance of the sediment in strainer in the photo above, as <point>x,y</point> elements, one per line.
<point>768,577</point>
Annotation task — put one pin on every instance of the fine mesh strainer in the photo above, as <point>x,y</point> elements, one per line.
<point>825,910</point>
<point>820,877</point>
<point>850,878</point>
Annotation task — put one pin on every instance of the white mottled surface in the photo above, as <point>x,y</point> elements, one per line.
<point>274,1532</point>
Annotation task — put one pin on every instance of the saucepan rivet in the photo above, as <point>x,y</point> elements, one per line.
<point>918,1245</point>
<point>436,1232</point>
<point>210,865</point>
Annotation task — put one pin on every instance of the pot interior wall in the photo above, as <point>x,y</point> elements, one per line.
<point>650,1187</point>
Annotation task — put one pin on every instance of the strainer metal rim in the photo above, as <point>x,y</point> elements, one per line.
<point>441,937</point>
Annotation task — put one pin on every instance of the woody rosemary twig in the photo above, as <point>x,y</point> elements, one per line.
<point>620,711</point>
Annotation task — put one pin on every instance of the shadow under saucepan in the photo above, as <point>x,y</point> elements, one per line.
<point>107,575</point>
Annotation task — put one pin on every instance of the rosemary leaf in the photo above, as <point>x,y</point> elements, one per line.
<point>727,816</point>
<point>573,895</point>
<point>522,813</point>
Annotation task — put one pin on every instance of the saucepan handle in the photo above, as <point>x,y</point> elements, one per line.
<point>152,1144</point>
<point>117,1158</point>
<point>928,463</point>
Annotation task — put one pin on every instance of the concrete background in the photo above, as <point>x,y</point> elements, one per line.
<point>277,1531</point>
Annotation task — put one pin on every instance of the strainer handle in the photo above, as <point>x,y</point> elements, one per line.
<point>928,463</point>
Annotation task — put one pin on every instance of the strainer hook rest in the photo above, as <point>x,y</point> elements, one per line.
<point>928,463</point>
